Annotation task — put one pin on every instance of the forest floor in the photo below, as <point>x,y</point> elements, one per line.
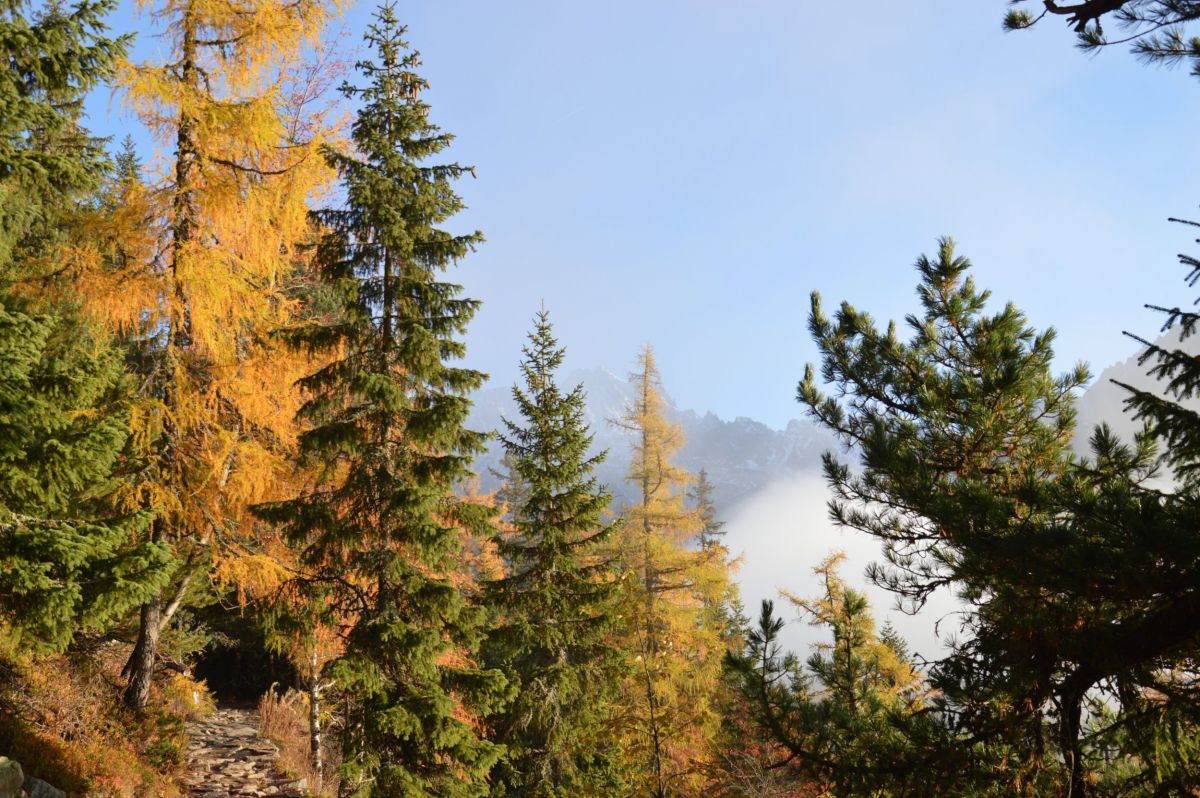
<point>227,756</point>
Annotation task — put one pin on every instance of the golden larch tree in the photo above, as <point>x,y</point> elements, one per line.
<point>208,268</point>
<point>669,715</point>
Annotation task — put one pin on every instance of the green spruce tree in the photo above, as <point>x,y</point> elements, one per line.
<point>382,526</point>
<point>557,603</point>
<point>701,494</point>
<point>49,60</point>
<point>66,562</point>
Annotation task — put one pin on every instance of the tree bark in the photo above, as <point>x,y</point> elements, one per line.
<point>1069,725</point>
<point>1080,15</point>
<point>314,719</point>
<point>141,662</point>
<point>165,614</point>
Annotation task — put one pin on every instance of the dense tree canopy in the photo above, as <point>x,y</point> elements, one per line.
<point>237,371</point>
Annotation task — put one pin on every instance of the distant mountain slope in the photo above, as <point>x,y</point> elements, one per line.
<point>741,456</point>
<point>1104,401</point>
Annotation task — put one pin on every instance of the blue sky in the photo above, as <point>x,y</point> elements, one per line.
<point>685,172</point>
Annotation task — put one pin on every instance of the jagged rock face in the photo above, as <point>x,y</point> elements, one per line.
<point>741,456</point>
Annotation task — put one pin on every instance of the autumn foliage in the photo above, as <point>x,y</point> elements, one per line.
<point>235,415</point>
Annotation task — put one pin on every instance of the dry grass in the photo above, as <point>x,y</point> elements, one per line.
<point>283,717</point>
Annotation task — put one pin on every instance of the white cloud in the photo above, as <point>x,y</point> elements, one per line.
<point>783,532</point>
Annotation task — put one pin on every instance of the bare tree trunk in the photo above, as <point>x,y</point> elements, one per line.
<point>656,741</point>
<point>314,718</point>
<point>1069,725</point>
<point>344,786</point>
<point>176,601</point>
<point>141,662</point>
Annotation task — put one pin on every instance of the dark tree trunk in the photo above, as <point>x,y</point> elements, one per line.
<point>141,663</point>
<point>1072,716</point>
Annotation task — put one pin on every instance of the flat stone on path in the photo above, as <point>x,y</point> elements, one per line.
<point>227,757</point>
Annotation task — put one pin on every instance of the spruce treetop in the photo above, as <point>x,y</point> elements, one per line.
<point>382,527</point>
<point>557,605</point>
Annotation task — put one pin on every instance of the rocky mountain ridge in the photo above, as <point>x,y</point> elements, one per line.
<point>741,456</point>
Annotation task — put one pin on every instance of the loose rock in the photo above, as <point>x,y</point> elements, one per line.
<point>36,788</point>
<point>11,778</point>
<point>227,757</point>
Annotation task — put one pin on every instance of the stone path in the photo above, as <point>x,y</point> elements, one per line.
<point>227,757</point>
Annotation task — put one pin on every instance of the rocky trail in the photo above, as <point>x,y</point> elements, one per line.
<point>226,757</point>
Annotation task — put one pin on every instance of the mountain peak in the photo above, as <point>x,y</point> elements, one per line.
<point>741,456</point>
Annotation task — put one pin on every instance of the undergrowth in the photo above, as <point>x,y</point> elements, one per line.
<point>62,718</point>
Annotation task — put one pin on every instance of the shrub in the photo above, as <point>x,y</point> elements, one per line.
<point>61,717</point>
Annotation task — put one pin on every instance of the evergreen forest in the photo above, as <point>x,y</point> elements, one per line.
<point>238,478</point>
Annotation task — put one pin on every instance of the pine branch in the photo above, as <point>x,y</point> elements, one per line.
<point>1084,13</point>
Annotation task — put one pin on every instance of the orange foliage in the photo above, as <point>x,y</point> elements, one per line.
<point>668,718</point>
<point>61,719</point>
<point>199,268</point>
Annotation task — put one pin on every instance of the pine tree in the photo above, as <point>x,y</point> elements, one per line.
<point>1168,419</point>
<point>1141,629</point>
<point>66,562</point>
<point>668,713</point>
<point>1077,576</point>
<point>849,715</point>
<point>557,604</point>
<point>381,526</point>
